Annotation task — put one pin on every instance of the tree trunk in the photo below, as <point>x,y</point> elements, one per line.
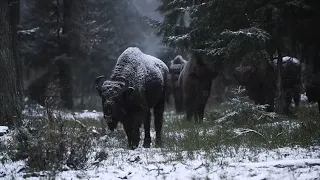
<point>10,107</point>
<point>65,70</point>
<point>279,44</point>
<point>280,100</point>
<point>14,21</point>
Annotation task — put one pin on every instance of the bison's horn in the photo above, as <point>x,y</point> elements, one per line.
<point>125,80</point>
<point>98,87</point>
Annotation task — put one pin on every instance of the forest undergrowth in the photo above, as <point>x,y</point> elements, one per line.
<point>235,127</point>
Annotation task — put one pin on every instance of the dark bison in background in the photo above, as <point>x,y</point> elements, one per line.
<point>45,90</point>
<point>220,87</point>
<point>195,80</point>
<point>313,91</point>
<point>259,79</point>
<point>175,67</point>
<point>138,84</point>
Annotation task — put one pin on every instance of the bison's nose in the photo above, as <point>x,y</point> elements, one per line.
<point>108,118</point>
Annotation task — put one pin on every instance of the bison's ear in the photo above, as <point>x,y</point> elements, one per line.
<point>99,90</point>
<point>128,92</point>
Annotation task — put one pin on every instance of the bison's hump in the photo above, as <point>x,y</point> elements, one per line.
<point>138,67</point>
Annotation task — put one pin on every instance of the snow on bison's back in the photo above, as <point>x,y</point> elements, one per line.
<point>145,72</point>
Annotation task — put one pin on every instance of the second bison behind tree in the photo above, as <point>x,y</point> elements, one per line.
<point>138,83</point>
<point>195,81</point>
<point>259,79</point>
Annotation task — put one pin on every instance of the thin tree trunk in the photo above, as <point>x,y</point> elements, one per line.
<point>14,21</point>
<point>280,99</point>
<point>10,107</point>
<point>65,70</point>
<point>279,82</point>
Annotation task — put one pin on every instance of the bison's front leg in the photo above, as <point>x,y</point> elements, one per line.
<point>189,113</point>
<point>146,125</point>
<point>287,102</point>
<point>135,137</point>
<point>128,130</point>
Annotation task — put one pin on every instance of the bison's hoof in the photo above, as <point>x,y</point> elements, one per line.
<point>158,144</point>
<point>146,145</point>
<point>134,147</point>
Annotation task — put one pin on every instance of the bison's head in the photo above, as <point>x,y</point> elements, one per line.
<point>113,94</point>
<point>244,74</point>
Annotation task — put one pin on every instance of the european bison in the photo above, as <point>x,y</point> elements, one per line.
<point>291,80</point>
<point>138,84</point>
<point>220,86</point>
<point>313,91</point>
<point>195,81</point>
<point>176,66</point>
<point>260,81</point>
<point>40,90</point>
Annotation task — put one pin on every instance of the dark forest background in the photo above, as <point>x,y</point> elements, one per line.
<point>58,47</point>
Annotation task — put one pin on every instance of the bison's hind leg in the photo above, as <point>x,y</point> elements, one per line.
<point>189,114</point>
<point>296,99</point>
<point>200,112</point>
<point>158,121</point>
<point>146,125</point>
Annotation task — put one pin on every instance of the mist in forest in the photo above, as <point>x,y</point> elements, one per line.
<point>152,43</point>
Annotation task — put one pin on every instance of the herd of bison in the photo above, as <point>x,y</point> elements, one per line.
<point>141,82</point>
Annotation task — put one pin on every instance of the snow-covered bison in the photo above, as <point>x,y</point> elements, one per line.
<point>195,81</point>
<point>138,84</point>
<point>260,80</point>
<point>313,91</point>
<point>175,67</point>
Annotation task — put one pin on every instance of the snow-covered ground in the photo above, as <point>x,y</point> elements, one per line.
<point>161,163</point>
<point>39,111</point>
<point>283,163</point>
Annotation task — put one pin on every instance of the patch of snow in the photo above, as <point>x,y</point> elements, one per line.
<point>286,59</point>
<point>288,123</point>
<point>304,97</point>
<point>3,129</point>
<point>29,31</point>
<point>155,163</point>
<point>40,112</point>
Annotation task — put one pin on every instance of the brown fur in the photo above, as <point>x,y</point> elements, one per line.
<point>175,68</point>
<point>195,80</point>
